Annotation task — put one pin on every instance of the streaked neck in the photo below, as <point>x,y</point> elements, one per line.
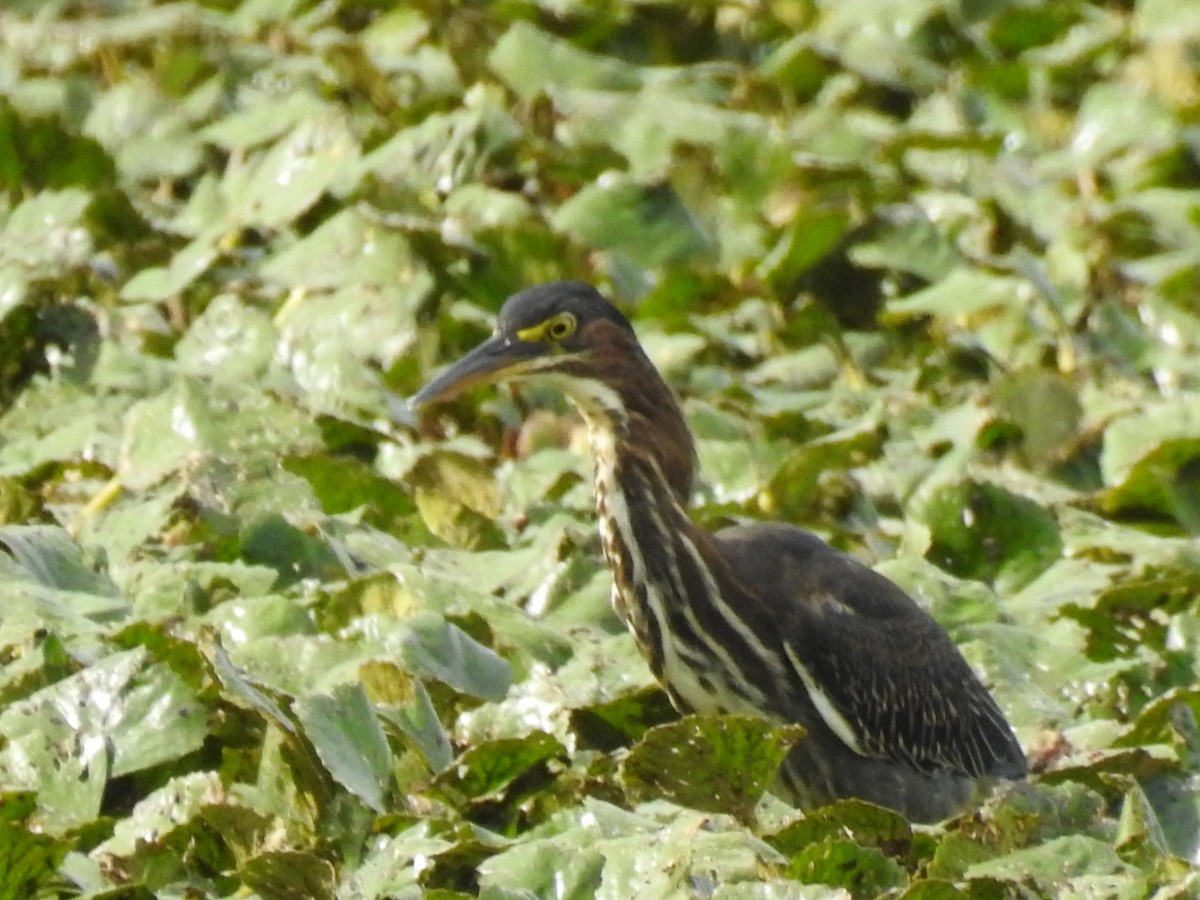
<point>696,644</point>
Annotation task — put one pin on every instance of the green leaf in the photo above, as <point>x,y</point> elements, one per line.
<point>17,505</point>
<point>545,869</point>
<point>610,853</point>
<point>28,862</point>
<point>486,771</point>
<point>267,120</point>
<point>229,341</point>
<point>909,242</point>
<point>1176,803</point>
<point>404,701</point>
<point>171,806</point>
<point>1053,864</point>
<point>55,423</point>
<point>284,874</point>
<point>45,233</point>
<point>1113,117</point>
<point>349,741</point>
<point>531,60</point>
<point>120,715</point>
<point>347,249</point>
<point>960,296</point>
<point>932,889</point>
<point>271,540</point>
<point>795,488</point>
<point>1046,409</point>
<point>649,225</point>
<point>158,283</point>
<point>147,133</point>
<point>310,160</point>
<point>983,531</point>
<point>864,823</point>
<point>53,560</point>
<point>457,498</point>
<point>445,150</point>
<point>838,862</point>
<point>622,719</point>
<point>994,311</point>
<point>1140,837</point>
<point>206,425</point>
<point>434,648</point>
<point>249,694</point>
<point>1149,460</point>
<point>719,764</point>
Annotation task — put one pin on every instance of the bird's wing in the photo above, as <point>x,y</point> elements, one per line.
<point>884,676</point>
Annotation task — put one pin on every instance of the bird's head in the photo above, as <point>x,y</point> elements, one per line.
<point>564,333</point>
<point>567,335</point>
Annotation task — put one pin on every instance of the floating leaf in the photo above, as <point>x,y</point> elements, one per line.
<point>121,715</point>
<point>349,741</point>
<point>647,224</point>
<point>718,764</point>
<point>293,174</point>
<point>53,560</point>
<point>1151,460</point>
<point>437,649</point>
<point>28,862</point>
<point>283,874</point>
<point>1044,406</point>
<point>404,701</point>
<point>837,862</point>
<point>982,530</point>
<point>171,806</point>
<point>1052,865</point>
<point>486,771</point>
<point>866,824</point>
<point>230,342</point>
<point>531,60</point>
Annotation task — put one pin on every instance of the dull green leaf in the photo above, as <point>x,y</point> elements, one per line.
<point>349,741</point>
<point>720,764</point>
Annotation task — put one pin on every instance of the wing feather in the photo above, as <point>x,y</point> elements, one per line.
<point>883,675</point>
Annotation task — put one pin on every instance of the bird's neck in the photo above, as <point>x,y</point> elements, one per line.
<point>680,608</point>
<point>642,422</point>
<point>645,462</point>
<point>643,520</point>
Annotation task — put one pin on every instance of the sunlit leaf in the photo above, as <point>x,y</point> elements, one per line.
<point>349,740</point>
<point>311,159</point>
<point>1053,863</point>
<point>437,649</point>
<point>169,807</point>
<point>404,701</point>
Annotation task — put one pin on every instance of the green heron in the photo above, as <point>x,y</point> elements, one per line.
<point>761,618</point>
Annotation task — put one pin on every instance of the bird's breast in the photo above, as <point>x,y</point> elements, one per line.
<point>627,602</point>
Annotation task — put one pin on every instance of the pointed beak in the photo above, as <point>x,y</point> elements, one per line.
<point>496,359</point>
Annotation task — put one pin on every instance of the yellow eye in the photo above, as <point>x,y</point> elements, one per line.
<point>560,327</point>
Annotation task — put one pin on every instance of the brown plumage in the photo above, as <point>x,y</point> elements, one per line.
<point>760,618</point>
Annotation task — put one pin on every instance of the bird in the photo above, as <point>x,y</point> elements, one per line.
<point>759,618</point>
